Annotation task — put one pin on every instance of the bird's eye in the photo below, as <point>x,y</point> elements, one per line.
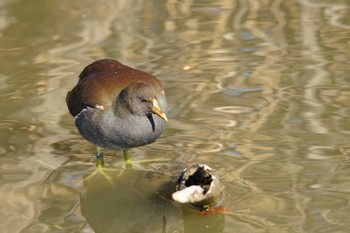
<point>143,100</point>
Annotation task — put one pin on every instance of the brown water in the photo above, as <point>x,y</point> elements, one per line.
<point>258,90</point>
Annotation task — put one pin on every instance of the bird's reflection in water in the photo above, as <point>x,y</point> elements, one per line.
<point>140,201</point>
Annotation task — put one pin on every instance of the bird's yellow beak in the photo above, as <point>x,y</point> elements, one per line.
<point>156,110</point>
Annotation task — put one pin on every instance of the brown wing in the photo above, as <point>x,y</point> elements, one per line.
<point>101,82</point>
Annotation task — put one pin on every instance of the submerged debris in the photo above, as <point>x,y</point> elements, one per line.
<point>199,187</point>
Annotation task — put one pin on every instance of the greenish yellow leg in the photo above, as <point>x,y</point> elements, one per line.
<point>100,167</point>
<point>99,157</point>
<point>127,160</point>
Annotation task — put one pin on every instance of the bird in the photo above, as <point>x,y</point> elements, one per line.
<point>117,107</point>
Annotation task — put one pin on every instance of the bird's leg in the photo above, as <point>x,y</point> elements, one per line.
<point>99,158</point>
<point>101,170</point>
<point>100,167</point>
<point>127,160</point>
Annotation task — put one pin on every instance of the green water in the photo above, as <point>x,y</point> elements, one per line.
<point>258,90</point>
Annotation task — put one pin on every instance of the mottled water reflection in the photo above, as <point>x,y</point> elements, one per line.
<point>258,90</point>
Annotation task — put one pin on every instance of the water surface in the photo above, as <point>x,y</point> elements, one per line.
<point>258,90</point>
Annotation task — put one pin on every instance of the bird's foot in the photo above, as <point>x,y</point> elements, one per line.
<point>100,168</point>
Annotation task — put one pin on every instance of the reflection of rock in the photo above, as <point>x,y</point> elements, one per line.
<point>135,201</point>
<point>211,223</point>
<point>198,186</point>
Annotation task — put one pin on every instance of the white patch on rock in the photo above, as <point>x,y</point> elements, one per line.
<point>190,194</point>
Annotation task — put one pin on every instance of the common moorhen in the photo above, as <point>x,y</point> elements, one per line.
<point>117,107</point>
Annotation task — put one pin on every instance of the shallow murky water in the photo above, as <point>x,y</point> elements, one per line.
<point>258,90</point>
